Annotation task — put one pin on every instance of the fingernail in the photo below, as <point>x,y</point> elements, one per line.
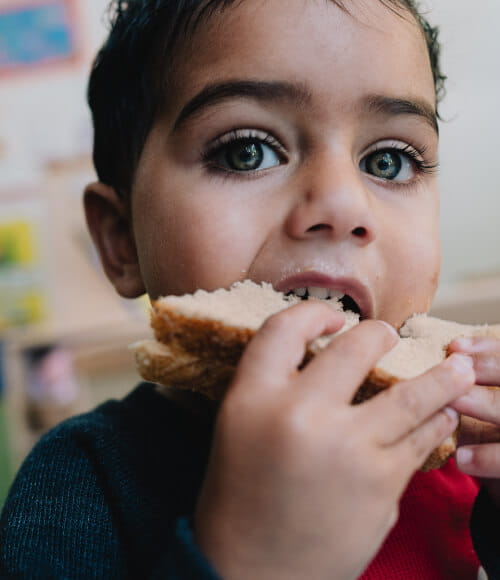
<point>391,328</point>
<point>470,345</point>
<point>462,363</point>
<point>452,414</point>
<point>463,343</point>
<point>464,455</point>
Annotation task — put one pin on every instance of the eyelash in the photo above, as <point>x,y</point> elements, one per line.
<point>217,146</point>
<point>416,157</point>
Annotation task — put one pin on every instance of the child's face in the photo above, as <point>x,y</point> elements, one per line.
<point>296,150</point>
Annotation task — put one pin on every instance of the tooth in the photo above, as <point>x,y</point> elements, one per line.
<point>336,295</point>
<point>321,293</point>
<point>301,292</point>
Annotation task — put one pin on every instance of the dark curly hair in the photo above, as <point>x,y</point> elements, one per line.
<point>125,93</point>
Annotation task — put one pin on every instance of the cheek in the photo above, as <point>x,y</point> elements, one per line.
<point>412,261</point>
<point>190,245</point>
<point>423,266</point>
<point>418,271</point>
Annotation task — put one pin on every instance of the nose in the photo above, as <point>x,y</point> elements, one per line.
<point>334,203</point>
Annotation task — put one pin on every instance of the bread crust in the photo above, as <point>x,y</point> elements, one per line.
<point>202,355</point>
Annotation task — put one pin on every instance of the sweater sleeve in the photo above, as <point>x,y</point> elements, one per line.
<point>60,521</point>
<point>485,522</point>
<point>55,522</point>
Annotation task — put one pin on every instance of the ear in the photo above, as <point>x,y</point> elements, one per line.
<point>111,230</point>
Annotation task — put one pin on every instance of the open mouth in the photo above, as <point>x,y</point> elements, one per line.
<point>348,303</point>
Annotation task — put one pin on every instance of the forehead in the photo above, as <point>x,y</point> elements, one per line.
<point>369,47</point>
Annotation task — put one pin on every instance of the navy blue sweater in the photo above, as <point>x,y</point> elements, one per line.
<point>109,494</point>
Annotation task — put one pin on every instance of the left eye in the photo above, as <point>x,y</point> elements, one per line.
<point>246,155</point>
<point>389,164</point>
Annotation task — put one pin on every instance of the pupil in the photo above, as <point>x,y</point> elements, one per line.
<point>245,156</point>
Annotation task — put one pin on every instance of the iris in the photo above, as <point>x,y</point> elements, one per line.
<point>384,164</point>
<point>244,155</point>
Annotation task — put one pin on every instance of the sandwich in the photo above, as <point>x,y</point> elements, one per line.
<point>199,339</point>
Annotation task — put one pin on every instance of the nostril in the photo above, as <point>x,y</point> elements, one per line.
<point>359,232</point>
<point>319,227</point>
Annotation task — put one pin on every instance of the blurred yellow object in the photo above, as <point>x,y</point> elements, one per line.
<point>23,298</point>
<point>17,246</point>
<point>21,306</point>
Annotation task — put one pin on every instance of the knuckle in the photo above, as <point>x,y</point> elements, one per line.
<point>447,381</point>
<point>443,426</point>
<point>441,376</point>
<point>455,372</point>
<point>346,348</point>
<point>420,447</point>
<point>289,426</point>
<point>442,380</point>
<point>408,399</point>
<point>278,323</point>
<point>439,428</point>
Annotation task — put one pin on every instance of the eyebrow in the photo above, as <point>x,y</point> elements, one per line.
<point>396,106</point>
<point>296,93</point>
<point>269,92</point>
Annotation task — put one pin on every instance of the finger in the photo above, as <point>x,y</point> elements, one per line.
<point>474,432</point>
<point>397,411</point>
<point>485,352</point>
<point>278,348</point>
<point>480,460</point>
<point>344,364</point>
<point>482,403</point>
<point>415,447</point>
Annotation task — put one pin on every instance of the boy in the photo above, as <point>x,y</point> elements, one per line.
<point>296,144</point>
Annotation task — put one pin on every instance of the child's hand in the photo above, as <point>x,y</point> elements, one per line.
<point>300,483</point>
<point>479,453</point>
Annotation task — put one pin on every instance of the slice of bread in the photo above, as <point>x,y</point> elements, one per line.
<point>200,337</point>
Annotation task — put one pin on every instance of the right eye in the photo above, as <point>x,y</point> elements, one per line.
<point>237,153</point>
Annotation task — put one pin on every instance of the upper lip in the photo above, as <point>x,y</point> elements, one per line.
<point>352,287</point>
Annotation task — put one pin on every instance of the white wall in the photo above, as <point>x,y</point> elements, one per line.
<point>470,162</point>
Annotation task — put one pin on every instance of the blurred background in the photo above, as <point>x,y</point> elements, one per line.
<point>63,332</point>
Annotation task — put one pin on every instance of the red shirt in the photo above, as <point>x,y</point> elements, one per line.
<point>431,540</point>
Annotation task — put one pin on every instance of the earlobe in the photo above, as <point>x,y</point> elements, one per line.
<point>111,230</point>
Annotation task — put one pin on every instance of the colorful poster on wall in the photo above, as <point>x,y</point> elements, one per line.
<point>34,33</point>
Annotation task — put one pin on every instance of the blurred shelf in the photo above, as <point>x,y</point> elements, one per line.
<point>470,301</point>
<point>103,366</point>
